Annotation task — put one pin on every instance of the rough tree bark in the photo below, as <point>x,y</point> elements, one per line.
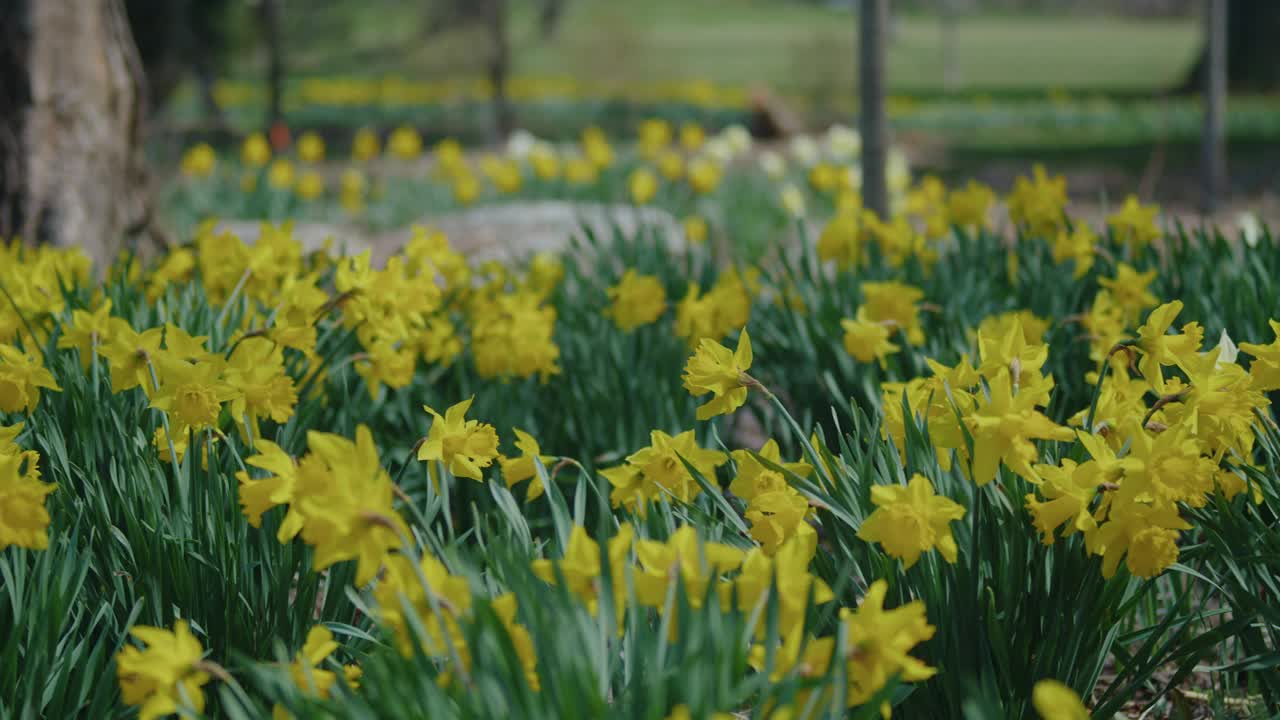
<point>85,181</point>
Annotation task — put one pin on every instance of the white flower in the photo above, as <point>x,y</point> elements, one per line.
<point>520,143</point>
<point>1226,350</point>
<point>805,150</point>
<point>718,149</point>
<point>855,176</point>
<point>738,138</point>
<point>843,143</point>
<point>792,199</point>
<point>1250,228</point>
<point>897,170</point>
<point>773,164</point>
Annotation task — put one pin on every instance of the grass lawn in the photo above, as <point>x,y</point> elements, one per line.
<point>794,47</point>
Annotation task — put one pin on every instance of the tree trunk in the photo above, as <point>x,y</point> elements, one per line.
<point>80,179</point>
<point>15,96</point>
<point>1253,53</point>
<point>1214,156</point>
<point>499,65</point>
<point>873,19</point>
<point>272,38</point>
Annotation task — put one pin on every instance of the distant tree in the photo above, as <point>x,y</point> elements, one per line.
<point>177,38</point>
<point>494,17</point>
<point>1253,48</point>
<point>873,20</point>
<point>273,39</point>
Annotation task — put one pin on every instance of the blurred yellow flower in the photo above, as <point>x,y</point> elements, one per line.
<point>636,300</point>
<point>365,145</point>
<point>199,161</point>
<point>255,152</point>
<point>310,148</point>
<point>643,185</point>
<point>1055,701</point>
<point>166,676</point>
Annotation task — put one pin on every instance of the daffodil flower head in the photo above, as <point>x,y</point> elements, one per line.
<point>164,677</point>
<point>519,469</point>
<point>713,369</point>
<point>911,520</point>
<point>465,446</point>
<point>1055,701</point>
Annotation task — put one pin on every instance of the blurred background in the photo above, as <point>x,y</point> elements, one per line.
<point>1108,93</point>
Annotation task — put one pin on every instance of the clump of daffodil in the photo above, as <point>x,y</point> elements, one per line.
<point>1004,423</point>
<point>911,520</point>
<point>263,388</point>
<point>165,677</point>
<point>464,446</point>
<point>636,300</point>
<point>714,369</point>
<point>512,335</point>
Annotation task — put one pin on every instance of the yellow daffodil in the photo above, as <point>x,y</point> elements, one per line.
<point>1134,224</point>
<point>24,521</point>
<point>1055,701</point>
<point>22,377</point>
<point>345,498</point>
<point>910,520</point>
<point>167,675</point>
<point>636,300</point>
<point>466,447</point>
<point>519,469</point>
<point>713,369</point>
